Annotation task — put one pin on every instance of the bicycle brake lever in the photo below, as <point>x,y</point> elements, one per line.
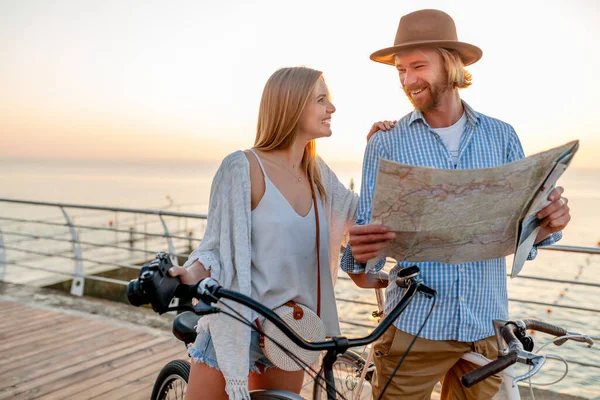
<point>576,337</point>
<point>581,338</point>
<point>534,360</point>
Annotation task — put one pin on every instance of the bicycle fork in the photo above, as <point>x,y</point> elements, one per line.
<point>365,369</point>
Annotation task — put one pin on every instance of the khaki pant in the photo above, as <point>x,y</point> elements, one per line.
<point>429,362</point>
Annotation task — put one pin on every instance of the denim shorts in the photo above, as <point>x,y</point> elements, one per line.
<point>203,351</point>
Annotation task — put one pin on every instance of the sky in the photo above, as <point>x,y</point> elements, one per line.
<point>182,80</point>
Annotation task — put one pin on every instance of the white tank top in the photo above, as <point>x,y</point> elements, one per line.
<point>284,256</point>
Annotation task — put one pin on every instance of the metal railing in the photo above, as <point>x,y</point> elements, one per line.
<point>115,234</point>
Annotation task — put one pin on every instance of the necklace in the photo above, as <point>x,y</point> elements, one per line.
<point>290,170</point>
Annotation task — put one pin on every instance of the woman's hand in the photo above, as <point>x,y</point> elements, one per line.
<point>381,126</point>
<point>190,275</point>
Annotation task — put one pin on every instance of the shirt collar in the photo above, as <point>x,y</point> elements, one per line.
<point>472,115</point>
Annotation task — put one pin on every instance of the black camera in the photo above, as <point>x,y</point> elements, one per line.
<point>154,285</point>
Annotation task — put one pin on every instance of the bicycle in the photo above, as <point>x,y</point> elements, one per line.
<point>353,370</point>
<point>172,379</point>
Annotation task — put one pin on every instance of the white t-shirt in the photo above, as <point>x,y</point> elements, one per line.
<point>451,136</point>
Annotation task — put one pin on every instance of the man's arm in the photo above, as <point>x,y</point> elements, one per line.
<point>366,240</point>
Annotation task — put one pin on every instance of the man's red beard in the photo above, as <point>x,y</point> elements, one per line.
<point>435,93</point>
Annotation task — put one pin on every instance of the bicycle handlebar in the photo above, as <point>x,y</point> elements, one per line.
<point>484,372</point>
<point>490,369</point>
<point>516,351</point>
<point>208,291</point>
<point>545,327</point>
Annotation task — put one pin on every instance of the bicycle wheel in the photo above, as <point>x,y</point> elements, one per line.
<point>273,395</point>
<point>171,381</point>
<point>346,372</point>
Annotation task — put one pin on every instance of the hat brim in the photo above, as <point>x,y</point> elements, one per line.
<point>468,53</point>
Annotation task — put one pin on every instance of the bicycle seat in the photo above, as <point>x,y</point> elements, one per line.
<point>184,327</point>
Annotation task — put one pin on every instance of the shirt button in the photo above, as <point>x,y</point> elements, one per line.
<point>462,298</point>
<point>461,269</point>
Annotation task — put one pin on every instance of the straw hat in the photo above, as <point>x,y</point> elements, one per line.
<point>427,28</point>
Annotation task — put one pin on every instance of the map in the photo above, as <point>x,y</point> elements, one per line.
<point>459,216</point>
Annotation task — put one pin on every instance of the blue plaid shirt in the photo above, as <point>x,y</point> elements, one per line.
<point>470,295</point>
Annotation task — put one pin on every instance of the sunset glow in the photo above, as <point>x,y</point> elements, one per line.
<point>156,80</point>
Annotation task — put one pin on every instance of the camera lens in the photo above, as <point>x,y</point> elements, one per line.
<point>134,293</point>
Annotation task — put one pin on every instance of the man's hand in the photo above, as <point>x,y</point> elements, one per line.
<point>367,241</point>
<point>381,126</point>
<point>555,216</point>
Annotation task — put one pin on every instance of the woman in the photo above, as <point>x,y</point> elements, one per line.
<point>260,236</point>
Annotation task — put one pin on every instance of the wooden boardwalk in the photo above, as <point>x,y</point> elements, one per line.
<point>49,354</point>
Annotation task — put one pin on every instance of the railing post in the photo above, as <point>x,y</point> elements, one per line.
<point>78,279</point>
<point>116,227</point>
<point>169,240</point>
<point>174,300</point>
<point>2,257</point>
<point>190,236</point>
<point>131,239</point>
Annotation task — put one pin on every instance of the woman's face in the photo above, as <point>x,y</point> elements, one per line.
<point>315,121</point>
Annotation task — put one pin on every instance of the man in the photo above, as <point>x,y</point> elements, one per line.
<point>442,132</point>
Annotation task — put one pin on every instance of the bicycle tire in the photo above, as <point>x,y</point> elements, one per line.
<point>346,372</point>
<point>273,395</point>
<point>171,381</point>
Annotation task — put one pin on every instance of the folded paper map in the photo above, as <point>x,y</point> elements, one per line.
<point>459,216</point>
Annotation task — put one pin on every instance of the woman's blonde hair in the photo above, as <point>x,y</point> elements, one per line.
<point>458,76</point>
<point>284,98</point>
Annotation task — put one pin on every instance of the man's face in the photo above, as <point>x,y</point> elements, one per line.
<point>423,77</point>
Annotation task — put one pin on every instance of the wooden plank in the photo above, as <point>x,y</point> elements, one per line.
<point>51,339</point>
<point>31,337</point>
<point>139,387</point>
<point>17,337</point>
<point>27,326</point>
<point>54,381</point>
<point>62,386</point>
<point>118,378</point>
<point>12,309</point>
<point>16,313</point>
<point>25,321</point>
<point>79,352</point>
<point>24,314</point>
<point>70,340</point>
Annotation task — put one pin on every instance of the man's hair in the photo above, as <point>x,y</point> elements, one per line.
<point>284,98</point>
<point>458,76</point>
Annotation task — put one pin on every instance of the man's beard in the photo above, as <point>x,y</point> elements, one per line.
<point>435,95</point>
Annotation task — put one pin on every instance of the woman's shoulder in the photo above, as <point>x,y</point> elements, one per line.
<point>235,162</point>
<point>326,172</point>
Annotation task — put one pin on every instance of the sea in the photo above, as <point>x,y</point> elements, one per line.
<point>185,187</point>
